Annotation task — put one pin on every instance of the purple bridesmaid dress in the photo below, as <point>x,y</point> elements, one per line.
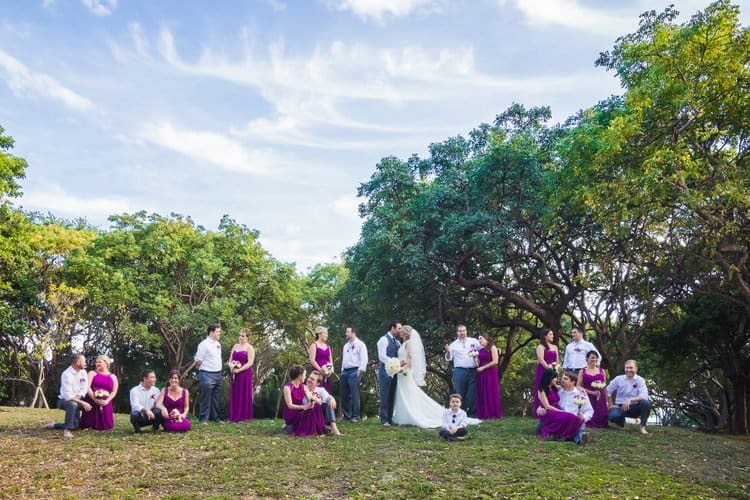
<point>550,357</point>
<point>488,389</point>
<point>599,420</point>
<point>179,405</point>
<point>303,422</point>
<point>241,391</point>
<point>560,424</point>
<point>100,418</point>
<point>323,357</point>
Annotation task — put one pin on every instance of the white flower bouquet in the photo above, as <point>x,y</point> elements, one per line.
<point>101,394</point>
<point>598,385</point>
<point>393,366</point>
<point>579,400</point>
<point>327,369</point>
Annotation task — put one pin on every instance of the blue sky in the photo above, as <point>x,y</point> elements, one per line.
<point>274,111</point>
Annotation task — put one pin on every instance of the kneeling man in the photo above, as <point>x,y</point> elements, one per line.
<point>142,400</point>
<point>630,397</point>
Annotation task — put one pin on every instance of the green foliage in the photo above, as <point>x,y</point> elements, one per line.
<point>11,169</point>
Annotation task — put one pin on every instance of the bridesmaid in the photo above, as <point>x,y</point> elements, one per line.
<point>488,384</point>
<point>556,422</point>
<point>241,388</point>
<point>103,387</point>
<point>174,402</point>
<point>546,355</point>
<point>319,354</point>
<point>598,397</point>
<point>300,418</point>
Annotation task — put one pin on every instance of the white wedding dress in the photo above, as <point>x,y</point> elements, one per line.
<point>412,406</point>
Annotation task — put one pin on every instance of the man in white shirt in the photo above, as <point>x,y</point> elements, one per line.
<point>569,394</point>
<point>627,396</point>
<point>462,352</point>
<point>208,361</point>
<point>454,420</point>
<point>353,365</point>
<point>576,352</point>
<point>142,400</point>
<point>388,346</point>
<point>74,384</point>
<point>327,402</point>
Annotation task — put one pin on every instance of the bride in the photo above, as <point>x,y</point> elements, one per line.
<point>412,406</point>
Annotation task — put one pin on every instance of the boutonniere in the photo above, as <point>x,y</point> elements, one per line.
<point>81,380</point>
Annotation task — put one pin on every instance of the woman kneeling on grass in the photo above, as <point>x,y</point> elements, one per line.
<point>174,402</point>
<point>301,417</point>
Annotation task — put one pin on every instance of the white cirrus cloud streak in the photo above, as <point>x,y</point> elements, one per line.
<point>27,83</point>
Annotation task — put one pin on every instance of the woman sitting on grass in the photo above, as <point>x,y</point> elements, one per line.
<point>301,418</point>
<point>174,402</point>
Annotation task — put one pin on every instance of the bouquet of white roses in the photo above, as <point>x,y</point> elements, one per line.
<point>580,400</point>
<point>232,364</point>
<point>327,369</point>
<point>393,366</point>
<point>598,385</point>
<point>101,394</point>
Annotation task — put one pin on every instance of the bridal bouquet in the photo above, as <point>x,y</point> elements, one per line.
<point>327,370</point>
<point>598,385</point>
<point>175,415</point>
<point>393,366</point>
<point>101,394</point>
<point>311,397</point>
<point>579,400</point>
<point>232,364</point>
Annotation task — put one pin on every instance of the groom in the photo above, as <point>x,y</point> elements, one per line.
<point>388,346</point>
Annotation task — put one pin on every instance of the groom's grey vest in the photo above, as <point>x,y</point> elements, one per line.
<point>392,349</point>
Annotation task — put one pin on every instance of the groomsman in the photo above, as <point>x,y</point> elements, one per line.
<point>208,361</point>
<point>460,351</point>
<point>353,365</point>
<point>142,400</point>
<point>388,346</point>
<point>627,396</point>
<point>575,352</point>
<point>74,384</point>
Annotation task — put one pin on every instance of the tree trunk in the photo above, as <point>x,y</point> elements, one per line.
<point>739,408</point>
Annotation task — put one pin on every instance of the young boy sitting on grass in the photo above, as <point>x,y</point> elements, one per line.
<point>454,420</point>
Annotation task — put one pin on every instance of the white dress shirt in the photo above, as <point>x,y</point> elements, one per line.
<point>322,394</point>
<point>627,388</point>
<point>567,404</point>
<point>449,420</point>
<point>383,346</point>
<point>460,352</point>
<point>73,383</point>
<point>355,356</point>
<point>209,354</point>
<point>142,398</point>
<point>575,355</point>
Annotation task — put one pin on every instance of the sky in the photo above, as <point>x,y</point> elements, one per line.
<point>275,111</point>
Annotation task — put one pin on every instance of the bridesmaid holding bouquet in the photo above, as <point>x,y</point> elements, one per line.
<point>241,388</point>
<point>488,383</point>
<point>547,357</point>
<point>103,387</point>
<point>174,402</point>
<point>321,360</point>
<point>593,380</point>
<point>302,415</point>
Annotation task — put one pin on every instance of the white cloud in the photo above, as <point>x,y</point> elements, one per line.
<point>211,147</point>
<point>277,5</point>
<point>25,82</point>
<point>100,7</point>
<point>570,14</point>
<point>48,3</point>
<point>378,9</point>
<point>139,40</point>
<point>54,199</point>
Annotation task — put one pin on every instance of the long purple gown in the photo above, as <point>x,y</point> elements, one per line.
<point>241,391</point>
<point>303,422</point>
<point>100,418</point>
<point>599,420</point>
<point>560,424</point>
<point>550,356</point>
<point>323,357</point>
<point>488,389</point>
<point>179,405</point>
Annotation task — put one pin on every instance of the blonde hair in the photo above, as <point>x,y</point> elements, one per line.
<point>407,329</point>
<point>104,358</point>
<point>318,330</point>
<point>635,363</point>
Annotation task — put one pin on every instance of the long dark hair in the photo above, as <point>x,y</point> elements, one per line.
<point>547,377</point>
<point>542,336</point>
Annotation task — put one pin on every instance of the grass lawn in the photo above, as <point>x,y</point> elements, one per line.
<point>500,459</point>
